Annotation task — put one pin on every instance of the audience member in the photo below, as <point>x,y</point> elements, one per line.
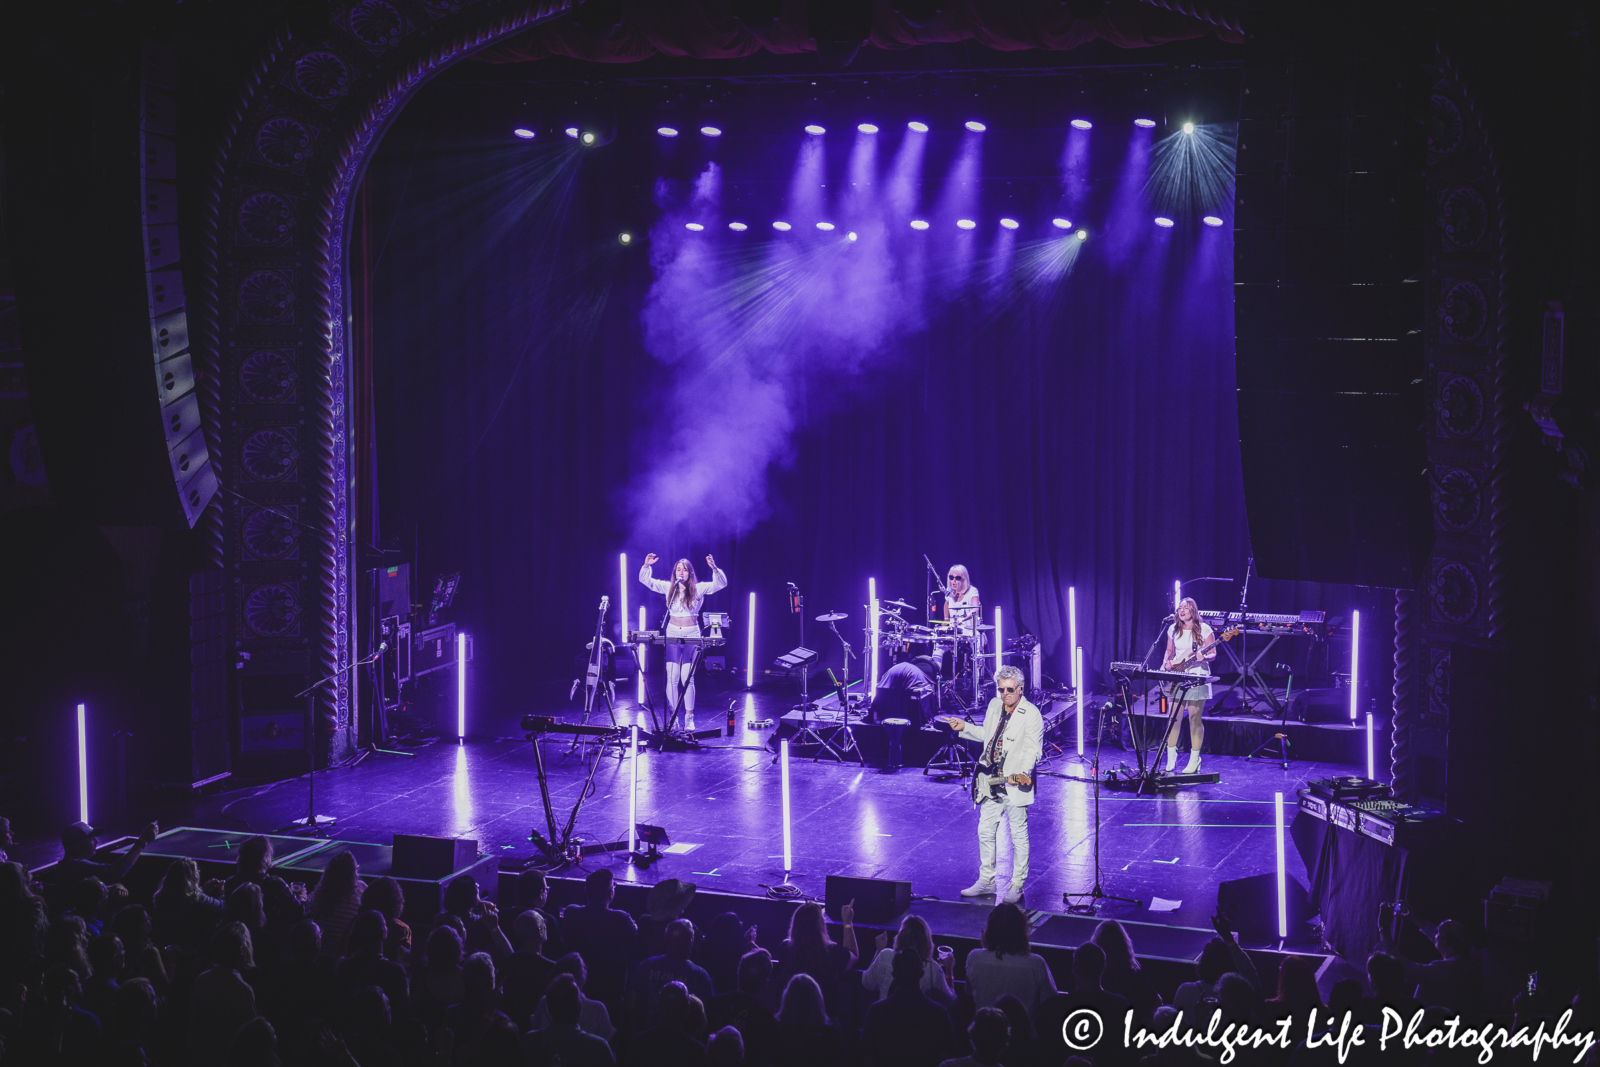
<point>221,1000</point>
<point>1006,964</point>
<point>725,1048</point>
<point>23,922</point>
<point>916,935</point>
<point>337,900</point>
<point>472,1020</point>
<point>479,916</point>
<point>366,964</point>
<point>592,1014</point>
<point>244,905</point>
<point>563,1042</point>
<point>604,936</point>
<point>1344,996</point>
<point>387,897</point>
<point>67,944</point>
<point>529,970</point>
<point>807,1037</point>
<point>809,950</point>
<point>905,1028</point>
<point>135,1019</point>
<point>63,1032</point>
<point>989,1033</point>
<point>746,1010</point>
<point>1088,991</point>
<point>183,913</point>
<point>1022,1046</point>
<point>370,1020</point>
<point>106,961</point>
<point>144,960</point>
<point>665,902</point>
<point>673,965</point>
<point>667,1043</point>
<point>6,840</point>
<point>533,894</point>
<point>438,985</point>
<point>725,943</point>
<point>88,901</point>
<point>1123,975</point>
<point>255,1044</point>
<point>1454,982</point>
<point>284,904</point>
<point>78,860</point>
<point>1386,977</point>
<point>302,992</point>
<point>1222,954</point>
<point>1297,990</point>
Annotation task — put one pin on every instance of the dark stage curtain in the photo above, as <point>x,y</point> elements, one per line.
<point>707,30</point>
<point>1080,431</point>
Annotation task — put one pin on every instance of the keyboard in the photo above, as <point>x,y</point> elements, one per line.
<point>1139,670</point>
<point>656,637</point>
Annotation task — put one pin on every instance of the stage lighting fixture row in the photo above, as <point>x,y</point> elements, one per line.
<point>1145,124</point>
<point>666,131</point>
<point>1211,220</point>
<point>1164,222</point>
<point>1082,124</point>
<point>523,133</point>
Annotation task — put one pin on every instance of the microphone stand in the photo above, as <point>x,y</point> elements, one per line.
<point>312,821</point>
<point>1098,893</point>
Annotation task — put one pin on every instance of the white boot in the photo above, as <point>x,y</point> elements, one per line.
<point>983,887</point>
<point>1193,766</point>
<point>1172,759</point>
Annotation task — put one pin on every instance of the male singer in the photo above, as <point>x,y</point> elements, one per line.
<point>1013,736</point>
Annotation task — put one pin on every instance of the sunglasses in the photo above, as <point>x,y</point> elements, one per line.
<point>954,578</point>
<point>1009,688</point>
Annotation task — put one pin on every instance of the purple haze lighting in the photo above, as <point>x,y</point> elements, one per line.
<point>966,224</point>
<point>737,227</point>
<point>917,127</point>
<point>1211,220</point>
<point>711,131</point>
<point>1061,224</point>
<point>461,687</point>
<point>1082,124</point>
<point>783,227</point>
<point>83,765</point>
<point>815,130</point>
<point>975,126</point>
<point>1164,222</point>
<point>1145,124</point>
<point>919,224</point>
<point>1009,224</point>
<point>695,226</point>
<point>524,133</point>
<point>824,226</point>
<point>666,131</point>
<point>867,127</point>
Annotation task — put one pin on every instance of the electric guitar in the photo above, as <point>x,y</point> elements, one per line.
<point>1196,657</point>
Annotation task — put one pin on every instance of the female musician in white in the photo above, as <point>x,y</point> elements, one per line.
<point>684,597</point>
<point>1191,646</point>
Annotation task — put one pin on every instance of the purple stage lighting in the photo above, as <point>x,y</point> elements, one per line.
<point>975,126</point>
<point>1164,222</point>
<point>1355,663</point>
<point>1188,127</point>
<point>851,235</point>
<point>1145,124</point>
<point>966,224</point>
<point>1009,224</point>
<point>524,133</point>
<point>1211,220</point>
<point>782,227</point>
<point>711,131</point>
<point>750,646</point>
<point>1061,224</point>
<point>867,127</point>
<point>917,127</point>
<point>737,227</point>
<point>1082,235</point>
<point>919,224</point>
<point>625,237</point>
<point>587,138</point>
<point>815,130</point>
<point>666,131</point>
<point>572,132</point>
<point>824,226</point>
<point>695,226</point>
<point>461,687</point>
<point>1082,124</point>
<point>83,764</point>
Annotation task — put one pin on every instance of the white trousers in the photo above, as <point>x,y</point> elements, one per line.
<point>989,815</point>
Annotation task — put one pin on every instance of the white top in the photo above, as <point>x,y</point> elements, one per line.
<point>1182,649</point>
<point>964,612</point>
<point>1021,750</point>
<point>877,978</point>
<point>678,593</point>
<point>1025,977</point>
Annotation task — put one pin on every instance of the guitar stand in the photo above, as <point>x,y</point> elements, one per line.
<point>1282,736</point>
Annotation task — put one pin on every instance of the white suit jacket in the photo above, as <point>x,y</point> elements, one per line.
<point>1024,744</point>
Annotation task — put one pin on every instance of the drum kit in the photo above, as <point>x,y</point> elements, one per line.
<point>900,640</point>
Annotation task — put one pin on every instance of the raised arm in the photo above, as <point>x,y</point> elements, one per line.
<point>718,582</point>
<point>655,585</point>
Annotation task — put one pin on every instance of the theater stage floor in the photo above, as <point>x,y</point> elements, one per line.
<point>721,806</point>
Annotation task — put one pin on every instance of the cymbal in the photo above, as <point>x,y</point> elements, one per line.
<point>832,616</point>
<point>898,604</point>
<point>984,626</point>
<point>882,610</point>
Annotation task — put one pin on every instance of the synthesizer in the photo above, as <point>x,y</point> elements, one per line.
<point>1306,623</point>
<point>656,637</point>
<point>1139,670</point>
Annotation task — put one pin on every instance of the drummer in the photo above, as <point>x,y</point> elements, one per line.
<point>962,605</point>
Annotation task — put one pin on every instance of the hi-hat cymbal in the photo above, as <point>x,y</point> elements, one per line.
<point>832,616</point>
<point>984,626</point>
<point>881,609</point>
<point>899,604</point>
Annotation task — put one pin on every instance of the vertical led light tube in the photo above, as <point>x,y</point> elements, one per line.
<point>750,646</point>
<point>1072,630</point>
<point>83,764</point>
<point>999,642</point>
<point>1355,661</point>
<point>461,687</point>
<point>872,606</point>
<point>1077,669</point>
<point>622,588</point>
<point>1177,594</point>
<point>633,788</point>
<point>642,649</point>
<point>1371,766</point>
<point>788,843</point>
<point>1283,896</point>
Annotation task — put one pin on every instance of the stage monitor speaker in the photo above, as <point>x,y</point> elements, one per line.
<point>418,856</point>
<point>1321,705</point>
<point>1251,904</point>
<point>878,900</point>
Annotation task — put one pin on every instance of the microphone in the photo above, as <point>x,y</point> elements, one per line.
<point>605,602</point>
<point>383,646</point>
<point>1282,667</point>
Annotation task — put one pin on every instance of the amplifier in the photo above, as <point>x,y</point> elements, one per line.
<point>1313,805</point>
<point>417,856</point>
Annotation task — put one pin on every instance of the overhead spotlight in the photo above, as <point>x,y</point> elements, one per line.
<point>851,235</point>
<point>782,227</point>
<point>1211,220</point>
<point>1082,124</point>
<point>825,226</point>
<point>572,132</point>
<point>1009,224</point>
<point>1083,235</point>
<point>975,126</point>
<point>1145,124</point>
<point>666,131</point>
<point>919,224</point>
<point>695,226</point>
<point>1164,222</point>
<point>1061,224</point>
<point>587,138</point>
<point>625,238</point>
<point>737,227</point>
<point>524,133</point>
<point>867,127</point>
<point>711,131</point>
<point>966,224</point>
<point>815,130</point>
<point>917,127</point>
<point>1188,127</point>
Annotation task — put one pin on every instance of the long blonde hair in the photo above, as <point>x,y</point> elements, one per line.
<point>1200,626</point>
<point>691,588</point>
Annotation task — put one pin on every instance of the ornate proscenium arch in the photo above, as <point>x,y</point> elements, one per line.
<point>273,310</point>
